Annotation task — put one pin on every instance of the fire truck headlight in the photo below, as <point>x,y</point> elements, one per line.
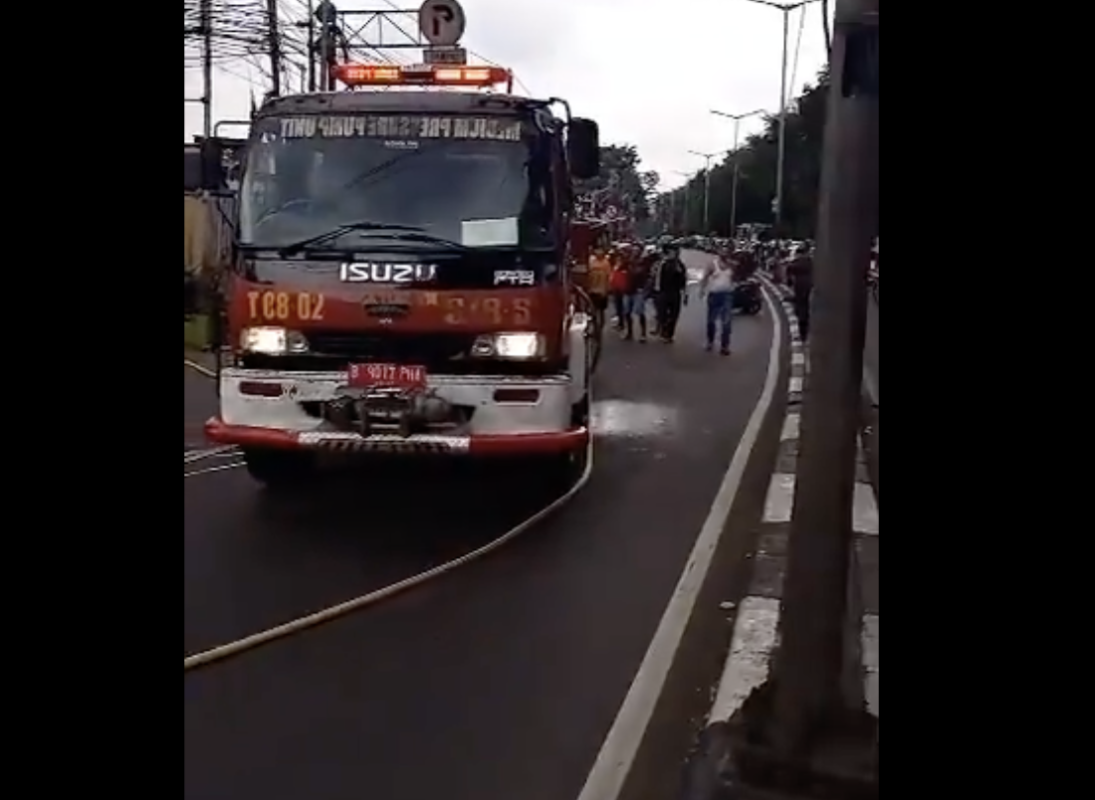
<point>517,346</point>
<point>272,341</point>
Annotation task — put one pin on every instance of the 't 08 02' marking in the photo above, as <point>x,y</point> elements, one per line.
<point>284,306</point>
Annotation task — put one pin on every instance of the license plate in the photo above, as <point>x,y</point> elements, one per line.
<point>398,376</point>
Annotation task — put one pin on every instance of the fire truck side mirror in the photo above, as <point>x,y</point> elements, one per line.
<point>213,176</point>
<point>584,148</point>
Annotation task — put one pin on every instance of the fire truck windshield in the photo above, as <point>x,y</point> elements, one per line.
<point>469,181</point>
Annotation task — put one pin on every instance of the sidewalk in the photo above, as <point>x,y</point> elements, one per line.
<point>756,625</point>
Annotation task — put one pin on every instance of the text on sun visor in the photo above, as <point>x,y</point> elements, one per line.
<point>401,127</point>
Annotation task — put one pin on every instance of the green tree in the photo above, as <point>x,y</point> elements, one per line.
<point>621,183</point>
<point>682,209</point>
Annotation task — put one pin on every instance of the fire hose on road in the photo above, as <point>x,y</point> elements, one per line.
<point>317,618</point>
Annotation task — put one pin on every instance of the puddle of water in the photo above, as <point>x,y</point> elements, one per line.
<point>630,419</point>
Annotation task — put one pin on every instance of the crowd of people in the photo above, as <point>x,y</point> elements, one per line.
<point>629,279</point>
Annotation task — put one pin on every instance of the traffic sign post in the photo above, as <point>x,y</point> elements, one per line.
<point>441,22</point>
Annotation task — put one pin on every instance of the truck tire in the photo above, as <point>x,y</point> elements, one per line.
<point>566,468</point>
<point>278,468</point>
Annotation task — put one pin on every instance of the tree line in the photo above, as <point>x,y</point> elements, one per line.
<point>622,184</point>
<point>681,210</point>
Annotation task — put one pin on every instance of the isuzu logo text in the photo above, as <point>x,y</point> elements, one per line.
<point>364,272</point>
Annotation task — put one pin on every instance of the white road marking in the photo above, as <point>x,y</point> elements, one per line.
<point>198,368</point>
<point>794,386</point>
<point>617,753</point>
<point>780,498</point>
<point>756,630</point>
<point>207,470</point>
<point>190,456</point>
<point>864,510</point>
<point>791,427</point>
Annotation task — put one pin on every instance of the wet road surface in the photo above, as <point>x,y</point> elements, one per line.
<point>199,403</point>
<point>497,682</point>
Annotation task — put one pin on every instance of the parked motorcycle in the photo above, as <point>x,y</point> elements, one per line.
<point>747,297</point>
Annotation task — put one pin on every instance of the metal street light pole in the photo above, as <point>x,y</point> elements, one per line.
<point>706,183</point>
<point>686,208</point>
<point>786,8</point>
<point>734,184</point>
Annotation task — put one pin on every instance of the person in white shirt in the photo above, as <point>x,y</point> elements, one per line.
<point>718,285</point>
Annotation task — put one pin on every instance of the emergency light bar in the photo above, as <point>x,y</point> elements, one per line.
<point>419,75</point>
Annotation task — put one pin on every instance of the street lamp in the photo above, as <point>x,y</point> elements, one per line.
<point>706,182</point>
<point>673,204</point>
<point>734,185</point>
<point>786,8</point>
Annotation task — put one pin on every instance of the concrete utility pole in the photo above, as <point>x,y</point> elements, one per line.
<point>807,669</point>
<point>327,14</point>
<point>310,25</point>
<point>273,36</point>
<point>781,147</point>
<point>737,118</point>
<point>205,16</point>
<point>706,183</point>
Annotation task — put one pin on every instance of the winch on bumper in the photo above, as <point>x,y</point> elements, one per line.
<point>454,414</point>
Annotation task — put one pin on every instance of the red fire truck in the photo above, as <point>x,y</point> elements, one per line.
<point>400,279</point>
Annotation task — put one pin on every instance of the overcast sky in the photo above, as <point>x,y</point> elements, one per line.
<point>647,71</point>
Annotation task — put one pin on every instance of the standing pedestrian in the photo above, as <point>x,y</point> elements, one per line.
<point>800,271</point>
<point>617,286</point>
<point>670,283</point>
<point>598,279</point>
<point>638,292</point>
<point>718,285</point>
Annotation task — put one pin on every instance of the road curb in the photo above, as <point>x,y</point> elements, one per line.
<point>755,634</point>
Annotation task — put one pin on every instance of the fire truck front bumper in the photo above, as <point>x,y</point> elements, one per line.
<point>453,415</point>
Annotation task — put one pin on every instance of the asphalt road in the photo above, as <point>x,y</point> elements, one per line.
<point>199,403</point>
<point>870,352</point>
<point>497,682</point>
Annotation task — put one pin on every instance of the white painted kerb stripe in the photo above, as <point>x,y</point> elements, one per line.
<point>798,359</point>
<point>794,386</point>
<point>864,510</point>
<point>791,427</point>
<point>617,753</point>
<point>780,498</point>
<point>755,633</point>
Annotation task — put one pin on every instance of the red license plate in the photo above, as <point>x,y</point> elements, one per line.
<point>399,376</point>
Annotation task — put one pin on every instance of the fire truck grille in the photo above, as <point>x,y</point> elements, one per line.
<point>440,353</point>
<point>436,352</point>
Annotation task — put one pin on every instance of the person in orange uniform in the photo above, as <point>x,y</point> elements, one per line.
<point>600,272</point>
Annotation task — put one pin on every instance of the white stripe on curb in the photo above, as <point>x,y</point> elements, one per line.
<point>756,626</point>
<point>791,427</point>
<point>780,498</point>
<point>756,629</point>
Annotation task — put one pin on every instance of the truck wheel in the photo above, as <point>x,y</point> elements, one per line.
<point>278,467</point>
<point>566,468</point>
